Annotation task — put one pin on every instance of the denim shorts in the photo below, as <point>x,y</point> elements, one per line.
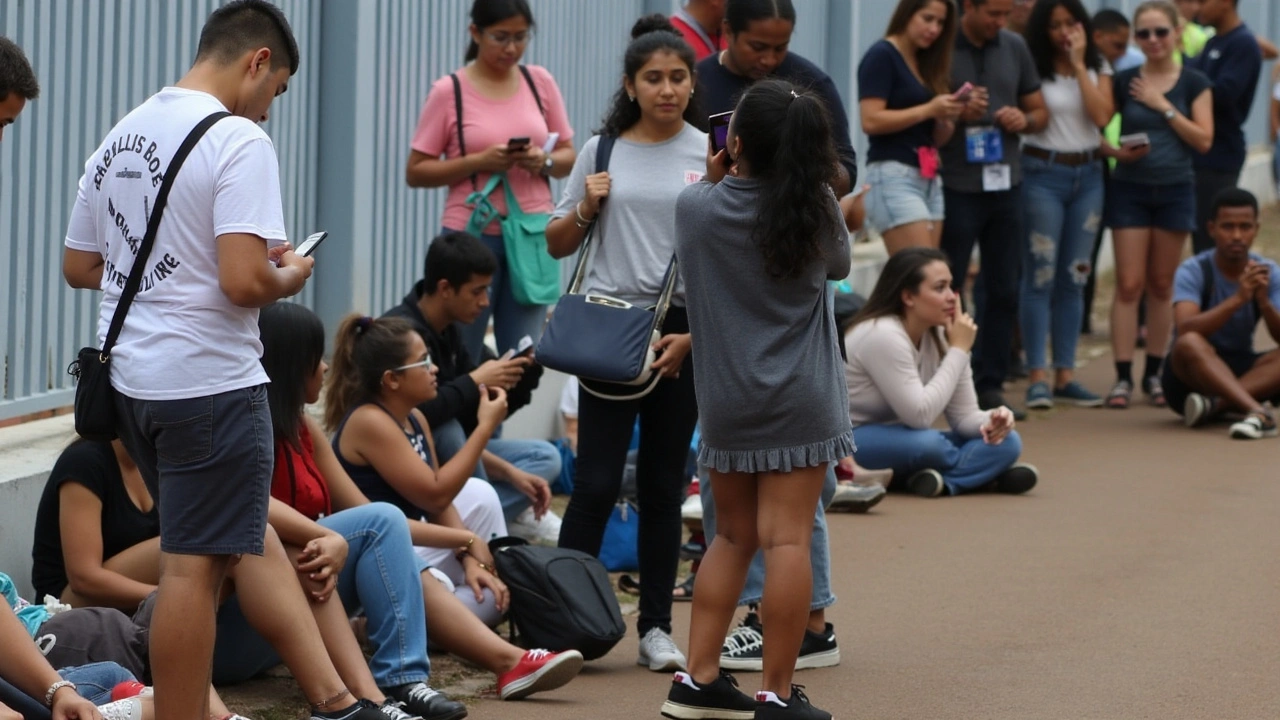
<point>899,195</point>
<point>207,462</point>
<point>1167,207</point>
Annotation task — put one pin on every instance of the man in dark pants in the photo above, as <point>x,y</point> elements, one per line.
<point>981,175</point>
<point>1233,61</point>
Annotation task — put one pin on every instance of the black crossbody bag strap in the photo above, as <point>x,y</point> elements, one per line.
<point>457,108</point>
<point>139,268</point>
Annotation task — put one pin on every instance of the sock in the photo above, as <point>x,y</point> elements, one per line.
<point>1124,371</point>
<point>764,696</point>
<point>1152,368</point>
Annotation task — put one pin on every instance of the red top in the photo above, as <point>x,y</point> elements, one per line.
<point>698,39</point>
<point>296,479</point>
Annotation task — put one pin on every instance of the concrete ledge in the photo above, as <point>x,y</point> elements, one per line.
<point>29,451</point>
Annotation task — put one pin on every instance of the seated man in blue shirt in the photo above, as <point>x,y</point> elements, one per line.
<point>1219,297</point>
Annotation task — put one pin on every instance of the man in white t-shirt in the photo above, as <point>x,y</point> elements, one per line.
<point>192,401</point>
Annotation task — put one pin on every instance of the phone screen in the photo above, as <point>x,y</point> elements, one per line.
<point>518,143</point>
<point>309,245</point>
<point>720,130</point>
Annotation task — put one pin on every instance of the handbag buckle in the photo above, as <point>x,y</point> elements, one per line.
<point>607,301</point>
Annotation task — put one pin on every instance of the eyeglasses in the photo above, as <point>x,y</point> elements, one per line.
<point>504,39</point>
<point>1146,33</point>
<point>426,363</point>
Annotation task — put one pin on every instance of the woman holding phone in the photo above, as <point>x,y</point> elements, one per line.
<point>1062,196</point>
<point>1166,114</point>
<point>908,111</point>
<point>510,114</point>
<point>657,152</point>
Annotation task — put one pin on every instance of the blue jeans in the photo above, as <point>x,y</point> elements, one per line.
<point>991,220</point>
<point>511,319</point>
<point>1063,209</point>
<point>95,680</point>
<point>536,457</point>
<point>819,552</point>
<point>966,464</point>
<point>380,575</point>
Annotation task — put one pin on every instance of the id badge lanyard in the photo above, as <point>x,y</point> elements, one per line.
<point>984,144</point>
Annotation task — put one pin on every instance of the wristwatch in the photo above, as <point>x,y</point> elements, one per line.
<point>1170,114</point>
<point>546,165</point>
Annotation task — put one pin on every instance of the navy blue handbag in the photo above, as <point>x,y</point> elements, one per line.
<point>606,342</point>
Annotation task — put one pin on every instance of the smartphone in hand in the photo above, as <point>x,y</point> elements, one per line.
<point>312,242</point>
<point>517,144</point>
<point>719,124</point>
<point>963,93</point>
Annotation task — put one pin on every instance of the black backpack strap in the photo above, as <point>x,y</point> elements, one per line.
<point>457,108</point>
<point>132,285</point>
<point>1206,293</point>
<point>534,88</point>
<point>604,149</point>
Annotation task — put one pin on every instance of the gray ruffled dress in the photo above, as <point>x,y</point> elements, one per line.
<point>770,381</point>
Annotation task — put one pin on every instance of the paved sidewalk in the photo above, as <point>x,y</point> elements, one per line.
<point>1141,579</point>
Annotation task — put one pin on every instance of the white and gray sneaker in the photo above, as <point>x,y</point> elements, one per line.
<point>1254,427</point>
<point>855,498</point>
<point>743,649</point>
<point>659,652</point>
<point>540,532</point>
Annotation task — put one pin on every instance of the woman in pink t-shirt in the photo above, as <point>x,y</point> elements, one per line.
<point>501,101</point>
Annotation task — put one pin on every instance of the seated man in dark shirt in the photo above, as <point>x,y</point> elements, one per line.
<point>1219,297</point>
<point>759,34</point>
<point>454,289</point>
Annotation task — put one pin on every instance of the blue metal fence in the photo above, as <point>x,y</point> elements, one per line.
<point>342,133</point>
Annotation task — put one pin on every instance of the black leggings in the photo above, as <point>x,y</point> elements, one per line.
<point>667,419</point>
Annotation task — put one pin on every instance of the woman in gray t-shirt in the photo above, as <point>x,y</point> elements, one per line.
<point>656,153</point>
<point>756,249</point>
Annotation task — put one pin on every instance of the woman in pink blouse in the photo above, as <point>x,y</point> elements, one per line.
<point>500,101</point>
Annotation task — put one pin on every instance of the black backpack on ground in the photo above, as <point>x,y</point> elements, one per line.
<point>560,599</point>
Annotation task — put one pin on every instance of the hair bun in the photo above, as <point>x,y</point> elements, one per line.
<point>656,22</point>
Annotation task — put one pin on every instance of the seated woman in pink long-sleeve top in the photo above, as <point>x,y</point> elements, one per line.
<point>908,363</point>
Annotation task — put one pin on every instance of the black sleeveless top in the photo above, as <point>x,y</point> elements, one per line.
<point>367,478</point>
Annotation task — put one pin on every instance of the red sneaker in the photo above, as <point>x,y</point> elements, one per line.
<point>538,671</point>
<point>127,689</point>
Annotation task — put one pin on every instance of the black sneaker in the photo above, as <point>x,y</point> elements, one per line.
<point>1017,479</point>
<point>361,710</point>
<point>717,700</point>
<point>429,704</point>
<point>744,648</point>
<point>394,710</point>
<point>770,707</point>
<point>818,650</point>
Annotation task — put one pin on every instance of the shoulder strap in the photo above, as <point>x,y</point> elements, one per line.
<point>524,70</point>
<point>604,149</point>
<point>1206,289</point>
<point>139,268</point>
<point>457,108</point>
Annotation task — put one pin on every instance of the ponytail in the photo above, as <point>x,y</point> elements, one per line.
<point>787,140</point>
<point>363,351</point>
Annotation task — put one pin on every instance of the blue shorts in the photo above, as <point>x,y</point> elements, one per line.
<point>1167,207</point>
<point>207,462</point>
<point>900,195</point>
<point>1176,391</point>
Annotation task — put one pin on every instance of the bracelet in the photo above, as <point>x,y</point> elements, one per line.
<point>53,690</point>
<point>580,221</point>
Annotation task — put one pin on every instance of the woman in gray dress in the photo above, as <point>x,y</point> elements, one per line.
<point>756,248</point>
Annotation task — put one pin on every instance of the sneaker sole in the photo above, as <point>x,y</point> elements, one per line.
<point>676,711</point>
<point>669,665</point>
<point>1040,404</point>
<point>1251,435</point>
<point>554,674</point>
<point>1194,410</point>
<point>1082,403</point>
<point>827,658</point>
<point>855,506</point>
<point>742,664</point>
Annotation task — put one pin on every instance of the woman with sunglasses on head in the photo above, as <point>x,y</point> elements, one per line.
<point>1166,115</point>
<point>381,372</point>
<point>313,496</point>
<point>501,101</point>
<point>657,153</point>
<point>1062,195</point>
<point>757,242</point>
<point>908,111</point>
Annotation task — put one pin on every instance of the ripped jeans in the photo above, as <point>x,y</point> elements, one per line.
<point>1062,209</point>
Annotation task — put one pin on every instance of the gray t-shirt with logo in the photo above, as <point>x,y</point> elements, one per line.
<point>636,235</point>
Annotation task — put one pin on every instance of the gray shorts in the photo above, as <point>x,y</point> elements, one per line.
<point>207,462</point>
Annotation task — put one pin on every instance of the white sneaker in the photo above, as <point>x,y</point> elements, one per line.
<point>692,508</point>
<point>659,652</point>
<point>545,531</point>
<point>851,497</point>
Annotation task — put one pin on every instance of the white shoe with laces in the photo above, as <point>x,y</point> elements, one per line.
<point>659,652</point>
<point>545,531</point>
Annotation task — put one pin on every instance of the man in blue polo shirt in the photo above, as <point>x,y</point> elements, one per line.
<point>981,175</point>
<point>759,35</point>
<point>1219,298</point>
<point>1233,61</point>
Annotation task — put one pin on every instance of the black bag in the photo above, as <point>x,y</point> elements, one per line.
<point>560,599</point>
<point>95,404</point>
<point>606,342</point>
